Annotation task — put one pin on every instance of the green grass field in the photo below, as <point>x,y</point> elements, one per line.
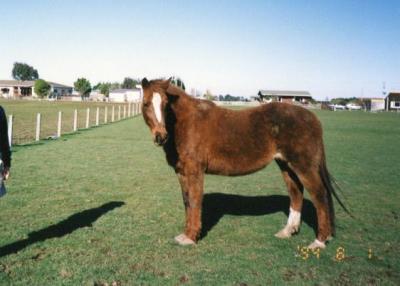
<point>101,207</point>
<point>25,111</point>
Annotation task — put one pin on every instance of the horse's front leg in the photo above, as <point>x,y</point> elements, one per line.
<point>192,193</point>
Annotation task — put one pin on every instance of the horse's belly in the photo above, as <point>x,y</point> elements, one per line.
<point>235,165</point>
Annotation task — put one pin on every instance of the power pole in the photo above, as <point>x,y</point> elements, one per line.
<point>384,96</point>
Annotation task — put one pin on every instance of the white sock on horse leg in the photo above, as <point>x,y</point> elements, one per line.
<point>182,239</point>
<point>292,225</point>
<point>316,244</point>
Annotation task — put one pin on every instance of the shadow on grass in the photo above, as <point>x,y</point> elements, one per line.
<point>82,219</point>
<point>216,205</point>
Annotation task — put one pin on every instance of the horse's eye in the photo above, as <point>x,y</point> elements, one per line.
<point>146,104</point>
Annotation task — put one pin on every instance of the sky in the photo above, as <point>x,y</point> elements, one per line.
<point>330,48</point>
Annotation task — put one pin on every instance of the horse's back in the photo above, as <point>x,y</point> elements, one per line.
<point>247,140</point>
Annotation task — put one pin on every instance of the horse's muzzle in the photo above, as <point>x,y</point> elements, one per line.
<point>160,139</point>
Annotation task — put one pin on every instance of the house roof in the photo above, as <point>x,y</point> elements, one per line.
<point>394,94</point>
<point>29,83</point>
<point>19,83</point>
<point>124,90</point>
<point>54,84</point>
<point>291,93</point>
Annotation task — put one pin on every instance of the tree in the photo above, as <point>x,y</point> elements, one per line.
<point>42,88</point>
<point>115,85</point>
<point>82,85</point>
<point>103,87</point>
<point>23,71</point>
<point>129,83</point>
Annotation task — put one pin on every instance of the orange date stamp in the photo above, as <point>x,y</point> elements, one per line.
<point>340,255</point>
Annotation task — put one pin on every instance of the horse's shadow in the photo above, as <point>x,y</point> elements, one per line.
<point>216,205</point>
<point>79,220</point>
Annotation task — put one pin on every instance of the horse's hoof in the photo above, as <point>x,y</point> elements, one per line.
<point>316,244</point>
<point>182,239</point>
<point>283,233</point>
<point>287,231</point>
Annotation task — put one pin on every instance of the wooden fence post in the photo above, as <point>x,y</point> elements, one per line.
<point>113,114</point>
<point>87,117</point>
<point>124,111</point>
<point>75,120</point>
<point>59,124</point>
<point>38,119</point>
<point>119,112</point>
<point>10,128</point>
<point>129,109</point>
<point>105,115</point>
<point>97,116</point>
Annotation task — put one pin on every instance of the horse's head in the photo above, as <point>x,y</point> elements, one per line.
<point>154,102</point>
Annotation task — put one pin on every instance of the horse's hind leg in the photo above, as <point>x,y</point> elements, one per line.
<point>313,183</point>
<point>295,189</point>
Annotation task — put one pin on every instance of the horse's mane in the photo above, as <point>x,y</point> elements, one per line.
<point>175,90</point>
<point>172,88</point>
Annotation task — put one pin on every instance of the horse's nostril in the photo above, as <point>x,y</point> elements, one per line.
<point>158,139</point>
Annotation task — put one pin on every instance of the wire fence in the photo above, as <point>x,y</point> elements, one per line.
<point>28,127</point>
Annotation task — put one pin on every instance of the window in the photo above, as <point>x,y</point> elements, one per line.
<point>395,104</point>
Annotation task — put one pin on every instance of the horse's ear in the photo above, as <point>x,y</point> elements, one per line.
<point>145,83</point>
<point>166,83</point>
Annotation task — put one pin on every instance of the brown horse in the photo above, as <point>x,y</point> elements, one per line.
<point>201,138</point>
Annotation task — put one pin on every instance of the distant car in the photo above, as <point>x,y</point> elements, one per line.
<point>352,106</point>
<point>337,107</point>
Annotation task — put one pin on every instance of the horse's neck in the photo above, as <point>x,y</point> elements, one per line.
<point>181,104</point>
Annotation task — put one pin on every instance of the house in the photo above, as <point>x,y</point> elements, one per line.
<point>374,104</point>
<point>58,90</point>
<point>17,88</point>
<point>75,96</point>
<point>125,95</point>
<point>393,101</point>
<point>96,95</point>
<point>289,96</point>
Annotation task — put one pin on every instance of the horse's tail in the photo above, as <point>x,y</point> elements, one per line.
<point>328,182</point>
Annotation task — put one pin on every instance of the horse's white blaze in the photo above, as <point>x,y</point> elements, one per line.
<point>156,101</point>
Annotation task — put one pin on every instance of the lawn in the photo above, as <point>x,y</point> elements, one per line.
<point>101,207</point>
<point>25,111</point>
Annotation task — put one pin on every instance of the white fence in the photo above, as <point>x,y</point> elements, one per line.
<point>66,123</point>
